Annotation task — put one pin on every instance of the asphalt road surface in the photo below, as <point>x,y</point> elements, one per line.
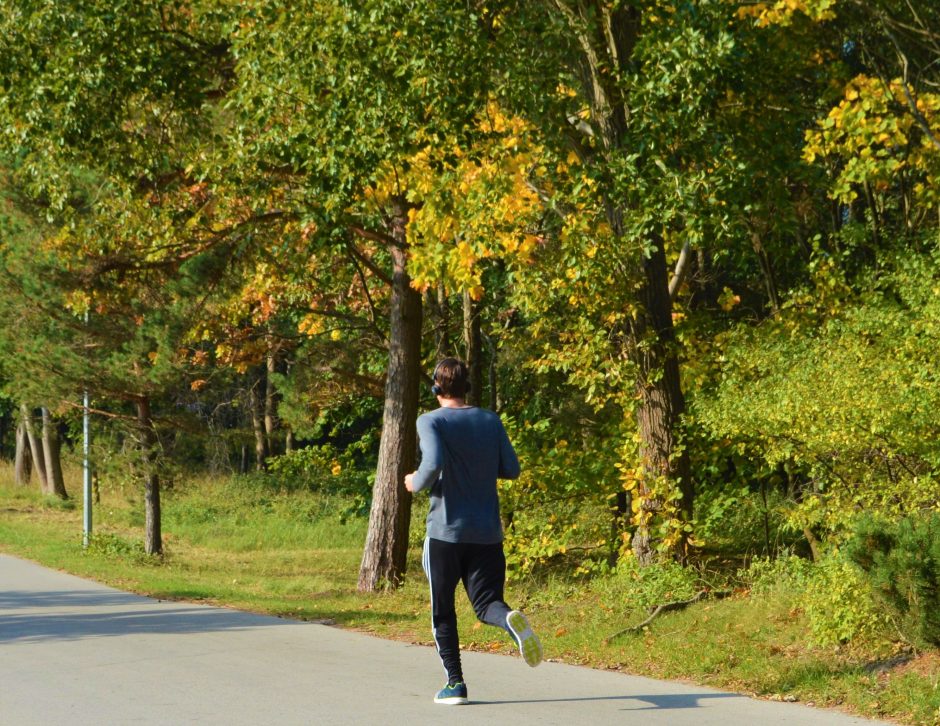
<point>75,652</point>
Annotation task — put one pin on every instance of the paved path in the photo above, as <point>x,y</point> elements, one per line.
<point>74,652</point>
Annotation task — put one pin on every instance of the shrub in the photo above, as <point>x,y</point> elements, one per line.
<point>839,603</point>
<point>788,574</point>
<point>644,587</point>
<point>833,593</point>
<point>902,561</point>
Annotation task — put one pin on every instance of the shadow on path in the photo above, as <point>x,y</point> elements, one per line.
<point>58,615</point>
<point>20,599</point>
<point>660,701</point>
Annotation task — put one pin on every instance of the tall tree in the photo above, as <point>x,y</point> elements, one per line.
<point>341,115</point>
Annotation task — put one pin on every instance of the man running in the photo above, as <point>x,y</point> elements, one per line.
<point>464,449</point>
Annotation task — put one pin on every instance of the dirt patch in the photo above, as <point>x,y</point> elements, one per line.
<point>926,665</point>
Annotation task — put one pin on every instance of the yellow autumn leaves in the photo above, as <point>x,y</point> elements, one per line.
<point>782,12</point>
<point>468,206</point>
<point>874,135</point>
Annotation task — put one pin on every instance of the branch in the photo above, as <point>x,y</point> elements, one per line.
<point>365,288</point>
<point>374,236</point>
<point>682,269</point>
<point>368,262</point>
<point>669,607</point>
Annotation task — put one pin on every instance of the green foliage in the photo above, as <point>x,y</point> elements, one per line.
<point>107,544</point>
<point>870,442</point>
<point>839,603</point>
<point>781,574</point>
<point>902,561</point>
<point>634,587</point>
<point>834,593</point>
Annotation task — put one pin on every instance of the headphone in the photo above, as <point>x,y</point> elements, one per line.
<point>436,389</point>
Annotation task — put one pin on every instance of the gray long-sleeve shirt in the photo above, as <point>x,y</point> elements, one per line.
<point>463,452</point>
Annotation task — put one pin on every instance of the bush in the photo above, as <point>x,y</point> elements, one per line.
<point>902,561</point>
<point>787,574</point>
<point>839,603</point>
<point>632,586</point>
<point>833,593</point>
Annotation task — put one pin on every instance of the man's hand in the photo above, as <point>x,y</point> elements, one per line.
<point>408,481</point>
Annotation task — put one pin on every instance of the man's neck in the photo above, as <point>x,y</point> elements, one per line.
<point>452,402</point>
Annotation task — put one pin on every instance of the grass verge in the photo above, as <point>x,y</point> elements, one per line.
<point>239,544</point>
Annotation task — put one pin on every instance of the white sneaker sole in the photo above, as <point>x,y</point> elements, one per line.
<point>530,647</point>
<point>452,701</point>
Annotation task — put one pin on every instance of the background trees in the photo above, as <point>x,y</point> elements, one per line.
<point>658,231</point>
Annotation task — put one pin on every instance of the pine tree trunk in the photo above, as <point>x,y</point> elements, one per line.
<point>35,448</point>
<point>23,462</point>
<point>153,538</point>
<point>386,548</point>
<point>52,448</point>
<point>473,340</point>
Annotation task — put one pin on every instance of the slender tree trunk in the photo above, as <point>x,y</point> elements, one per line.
<point>442,324</point>
<point>473,340</point>
<point>770,282</point>
<point>386,547</point>
<point>271,422</point>
<point>243,463</point>
<point>4,426</point>
<point>23,462</point>
<point>52,447</point>
<point>153,539</point>
<point>35,448</point>
<point>256,408</point>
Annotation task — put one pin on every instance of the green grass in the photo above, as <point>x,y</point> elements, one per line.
<point>241,544</point>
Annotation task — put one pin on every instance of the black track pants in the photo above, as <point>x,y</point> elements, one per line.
<point>482,568</point>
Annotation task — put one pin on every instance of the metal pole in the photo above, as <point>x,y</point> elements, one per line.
<point>86,465</point>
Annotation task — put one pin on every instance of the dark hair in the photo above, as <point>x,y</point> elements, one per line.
<point>450,379</point>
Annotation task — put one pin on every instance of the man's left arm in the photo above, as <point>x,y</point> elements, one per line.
<point>432,457</point>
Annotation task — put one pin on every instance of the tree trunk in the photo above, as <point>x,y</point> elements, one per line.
<point>386,548</point>
<point>271,423</point>
<point>35,447</point>
<point>23,462</point>
<point>767,270</point>
<point>52,447</point>
<point>660,402</point>
<point>607,39</point>
<point>243,462</point>
<point>442,324</point>
<point>256,408</point>
<point>4,426</point>
<point>473,340</point>
<point>153,539</point>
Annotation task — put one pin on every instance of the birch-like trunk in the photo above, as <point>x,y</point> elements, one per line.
<point>35,447</point>
<point>52,448</point>
<point>23,460</point>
